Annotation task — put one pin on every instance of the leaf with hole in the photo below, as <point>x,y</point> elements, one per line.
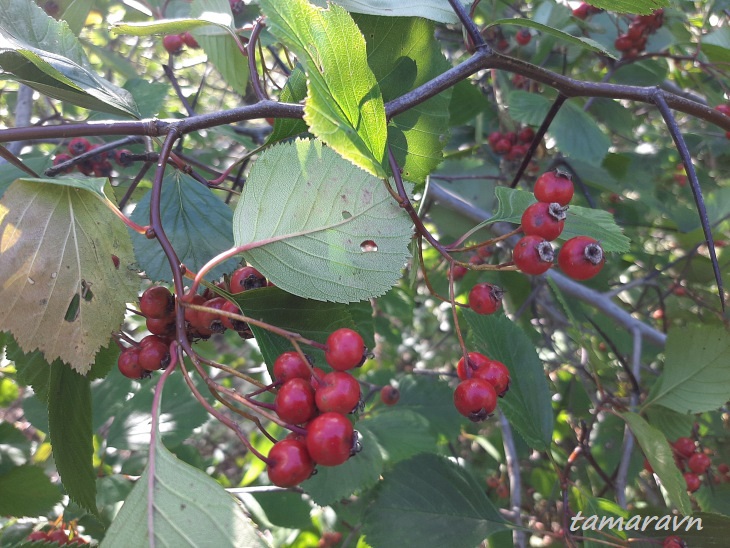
<point>319,227</point>
<point>63,293</point>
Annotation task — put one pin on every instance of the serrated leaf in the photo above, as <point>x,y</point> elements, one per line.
<point>423,501</point>
<point>412,58</point>
<point>294,91</point>
<point>696,376</point>
<point>312,319</point>
<point>659,454</point>
<point>642,7</point>
<point>63,294</point>
<point>527,403</point>
<point>579,41</point>
<point>400,433</point>
<point>224,51</point>
<point>197,223</point>
<point>27,491</point>
<point>580,221</point>
<point>436,10</point>
<point>189,509</point>
<point>69,425</point>
<point>320,227</point>
<point>44,54</point>
<point>344,107</point>
<point>434,401</point>
<point>332,483</point>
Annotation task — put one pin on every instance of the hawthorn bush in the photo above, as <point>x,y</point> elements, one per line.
<point>406,273</point>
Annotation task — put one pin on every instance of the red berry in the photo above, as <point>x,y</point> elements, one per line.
<point>554,186</point>
<point>692,481</point>
<point>98,157</point>
<point>338,392</point>
<point>290,365</point>
<point>673,542</point>
<point>582,11</point>
<point>389,394</point>
<point>544,220</point>
<point>502,146</point>
<point>86,167</point>
<point>475,399</point>
<point>189,40</point>
<point>476,360</point>
<point>699,463</point>
<point>289,463</point>
<point>493,482</point>
<point>173,44</point>
<point>164,327</point>
<point>154,353</point>
<point>458,271</point>
<point>523,37</point>
<point>246,278</point>
<point>485,298</point>
<point>581,258</point>
<point>103,168</point>
<point>295,402</point>
<point>496,374</point>
<point>502,491</point>
<point>723,468</point>
<point>156,302</point>
<point>228,323</point>
<point>212,320</point>
<point>60,159</point>
<point>78,145</point>
<point>121,157</point>
<point>623,43</point>
<point>511,136</point>
<point>723,108</point>
<point>533,255</point>
<point>526,135</point>
<point>517,152</point>
<point>494,137</point>
<point>128,363</point>
<point>330,439</point>
<point>58,536</point>
<point>38,535</point>
<point>193,316</point>
<point>345,349</point>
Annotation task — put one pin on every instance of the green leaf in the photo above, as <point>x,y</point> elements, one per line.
<point>400,433</point>
<point>151,96</point>
<point>696,376</point>
<point>580,221</point>
<point>672,424</point>
<point>411,58</point>
<point>661,458</point>
<point>27,491</point>
<point>433,400</point>
<point>466,102</point>
<point>428,501</point>
<point>311,219</point>
<point>295,90</point>
<point>436,10</point>
<point>332,483</point>
<point>69,425</point>
<point>579,41</point>
<point>189,509</point>
<point>716,45</point>
<point>76,13</point>
<point>312,319</point>
<point>63,293</point>
<point>223,51</point>
<point>642,7</point>
<point>44,54</point>
<point>213,23</point>
<point>527,403</point>
<point>344,107</point>
<point>14,447</point>
<point>197,223</point>
<point>576,133</point>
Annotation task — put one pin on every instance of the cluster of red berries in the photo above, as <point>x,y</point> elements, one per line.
<point>174,43</point>
<point>316,405</point>
<point>673,542</point>
<point>55,536</point>
<point>633,41</point>
<point>584,10</point>
<point>693,463</point>
<point>483,380</point>
<point>497,484</point>
<point>157,305</point>
<point>513,145</point>
<point>580,257</point>
<point>97,164</point>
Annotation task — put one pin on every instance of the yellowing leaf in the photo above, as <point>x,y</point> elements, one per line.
<point>61,290</point>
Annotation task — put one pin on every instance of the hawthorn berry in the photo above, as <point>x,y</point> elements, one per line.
<point>345,349</point>
<point>163,327</point>
<point>502,146</point>
<point>210,319</point>
<point>154,353</point>
<point>526,135</point>
<point>389,394</point>
<point>476,360</point>
<point>476,399</point>
<point>229,323</point>
<point>523,37</point>
<point>173,43</point>
<point>699,463</point>
<point>485,298</point>
<point>78,145</point>
<point>692,481</point>
<point>289,463</point>
<point>156,302</point>
<point>723,468</point>
<point>189,40</point>
<point>246,278</point>
<point>496,374</point>
<point>295,401</point>
<point>554,186</point>
<point>57,536</point>
<point>673,542</point>
<point>128,363</point>
<point>544,219</point>
<point>103,168</point>
<point>502,491</point>
<point>122,157</point>
<point>290,365</point>
<point>533,255</point>
<point>63,158</point>
<point>338,392</point>
<point>458,271</point>
<point>330,439</point>
<point>493,138</point>
<point>581,258</point>
<point>723,108</point>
